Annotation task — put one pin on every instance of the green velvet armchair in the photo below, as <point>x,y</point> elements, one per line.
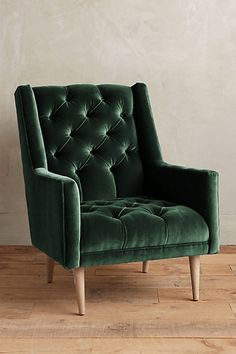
<point>97,188</point>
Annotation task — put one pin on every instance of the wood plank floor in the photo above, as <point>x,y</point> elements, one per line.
<point>126,311</point>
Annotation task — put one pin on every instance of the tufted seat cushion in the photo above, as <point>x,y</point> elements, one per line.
<point>135,223</point>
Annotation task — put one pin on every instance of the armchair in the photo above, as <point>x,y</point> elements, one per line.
<point>97,188</point>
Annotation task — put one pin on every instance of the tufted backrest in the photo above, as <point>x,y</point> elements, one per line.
<point>89,134</point>
<point>93,134</point>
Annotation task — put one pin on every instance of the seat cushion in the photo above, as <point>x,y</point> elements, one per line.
<point>135,223</point>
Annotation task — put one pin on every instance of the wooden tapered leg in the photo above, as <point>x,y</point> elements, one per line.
<point>145,266</point>
<point>194,263</point>
<point>80,289</point>
<point>50,268</point>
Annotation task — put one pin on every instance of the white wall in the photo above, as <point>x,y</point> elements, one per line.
<point>185,50</point>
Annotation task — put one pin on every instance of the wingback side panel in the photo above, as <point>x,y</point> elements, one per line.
<point>33,154</point>
<point>90,135</point>
<point>56,231</point>
<point>149,147</point>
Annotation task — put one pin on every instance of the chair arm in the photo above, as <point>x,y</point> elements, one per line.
<point>195,188</point>
<point>54,216</point>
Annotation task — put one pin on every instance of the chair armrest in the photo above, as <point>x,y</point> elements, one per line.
<point>54,216</point>
<point>195,188</point>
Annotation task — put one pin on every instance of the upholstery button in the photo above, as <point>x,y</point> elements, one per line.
<point>50,114</point>
<point>86,114</point>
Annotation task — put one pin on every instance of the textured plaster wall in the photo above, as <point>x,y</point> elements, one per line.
<point>185,50</point>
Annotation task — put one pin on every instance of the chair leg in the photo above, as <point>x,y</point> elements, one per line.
<point>194,263</point>
<point>145,266</point>
<point>80,289</point>
<point>50,268</point>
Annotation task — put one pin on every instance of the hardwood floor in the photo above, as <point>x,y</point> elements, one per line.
<point>127,311</point>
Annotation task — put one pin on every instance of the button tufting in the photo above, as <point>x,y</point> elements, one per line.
<point>88,126</point>
<point>85,113</point>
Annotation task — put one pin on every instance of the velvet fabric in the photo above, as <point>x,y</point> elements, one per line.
<point>97,188</point>
<point>136,224</point>
<point>89,135</point>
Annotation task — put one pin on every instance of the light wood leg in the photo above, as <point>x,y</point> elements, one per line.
<point>50,268</point>
<point>194,263</point>
<point>145,266</point>
<point>80,289</point>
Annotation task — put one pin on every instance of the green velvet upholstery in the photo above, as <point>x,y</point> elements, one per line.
<point>138,224</point>
<point>89,135</point>
<point>97,188</point>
